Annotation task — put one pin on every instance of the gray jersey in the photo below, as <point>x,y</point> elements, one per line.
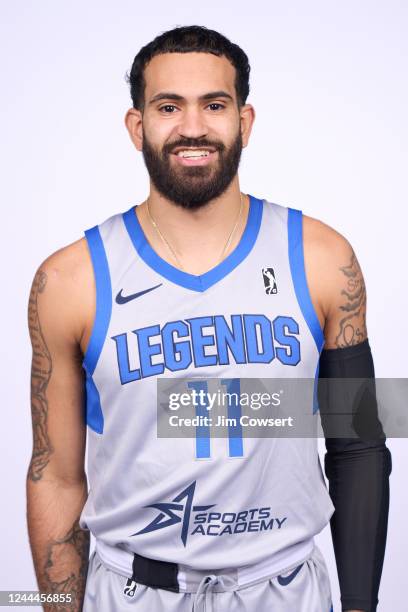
<point>205,503</point>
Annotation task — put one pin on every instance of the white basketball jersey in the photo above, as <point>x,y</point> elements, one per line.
<point>206,503</point>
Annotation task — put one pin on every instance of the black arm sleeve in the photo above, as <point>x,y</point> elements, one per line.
<point>358,472</point>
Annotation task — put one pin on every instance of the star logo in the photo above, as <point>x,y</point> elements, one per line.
<point>175,512</point>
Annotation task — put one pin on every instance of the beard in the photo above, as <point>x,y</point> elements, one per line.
<point>192,186</point>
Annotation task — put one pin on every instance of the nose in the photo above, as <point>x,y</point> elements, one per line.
<point>192,124</point>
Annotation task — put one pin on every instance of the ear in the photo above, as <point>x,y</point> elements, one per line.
<point>247,117</point>
<point>133,122</point>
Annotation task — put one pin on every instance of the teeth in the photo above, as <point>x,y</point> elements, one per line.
<point>193,153</point>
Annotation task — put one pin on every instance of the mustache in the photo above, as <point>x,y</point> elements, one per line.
<point>192,142</point>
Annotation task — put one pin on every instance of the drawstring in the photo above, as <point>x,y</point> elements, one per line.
<point>205,589</point>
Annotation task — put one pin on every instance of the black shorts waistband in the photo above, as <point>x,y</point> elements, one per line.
<point>153,573</point>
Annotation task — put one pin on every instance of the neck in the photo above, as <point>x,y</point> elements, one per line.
<point>197,237</point>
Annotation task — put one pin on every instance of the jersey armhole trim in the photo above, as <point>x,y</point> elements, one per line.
<point>103,299</point>
<point>297,267</point>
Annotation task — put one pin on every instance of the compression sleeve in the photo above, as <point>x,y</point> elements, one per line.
<point>358,472</point>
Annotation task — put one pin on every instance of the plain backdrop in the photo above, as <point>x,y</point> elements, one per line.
<point>329,85</point>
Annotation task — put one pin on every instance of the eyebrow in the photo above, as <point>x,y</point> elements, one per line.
<point>165,95</point>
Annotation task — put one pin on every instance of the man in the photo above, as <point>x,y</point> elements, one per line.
<point>198,280</point>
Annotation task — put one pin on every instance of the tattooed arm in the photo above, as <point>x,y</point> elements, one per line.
<point>345,323</point>
<point>56,480</point>
<point>357,469</point>
<point>336,284</point>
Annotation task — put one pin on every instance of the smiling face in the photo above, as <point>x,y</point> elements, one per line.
<point>191,131</point>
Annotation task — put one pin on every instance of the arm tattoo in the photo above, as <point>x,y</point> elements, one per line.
<point>352,326</point>
<point>61,576</point>
<point>41,369</point>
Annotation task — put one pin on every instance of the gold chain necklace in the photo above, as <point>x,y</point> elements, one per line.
<point>170,248</point>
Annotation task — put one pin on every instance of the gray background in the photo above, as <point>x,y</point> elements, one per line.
<point>330,90</point>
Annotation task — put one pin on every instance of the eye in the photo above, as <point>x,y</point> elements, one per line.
<point>167,108</point>
<point>216,104</point>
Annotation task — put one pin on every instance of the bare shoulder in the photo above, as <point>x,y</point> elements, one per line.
<point>70,265</point>
<point>324,244</point>
<point>63,290</point>
<point>336,283</point>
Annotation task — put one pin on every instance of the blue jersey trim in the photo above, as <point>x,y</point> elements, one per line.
<point>103,299</point>
<point>94,415</point>
<point>191,281</point>
<point>297,267</point>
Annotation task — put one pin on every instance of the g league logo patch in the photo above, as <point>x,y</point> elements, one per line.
<point>130,588</point>
<point>269,280</point>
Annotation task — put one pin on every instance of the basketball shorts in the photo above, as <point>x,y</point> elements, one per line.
<point>302,588</point>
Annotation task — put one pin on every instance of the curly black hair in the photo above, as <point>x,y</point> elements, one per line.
<point>187,39</point>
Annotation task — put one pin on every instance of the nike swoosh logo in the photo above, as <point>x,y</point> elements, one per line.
<point>124,299</point>
<point>285,580</point>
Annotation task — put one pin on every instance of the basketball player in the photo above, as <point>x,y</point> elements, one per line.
<point>198,280</point>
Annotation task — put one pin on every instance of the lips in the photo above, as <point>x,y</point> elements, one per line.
<point>193,151</point>
<point>188,153</point>
<point>194,157</point>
